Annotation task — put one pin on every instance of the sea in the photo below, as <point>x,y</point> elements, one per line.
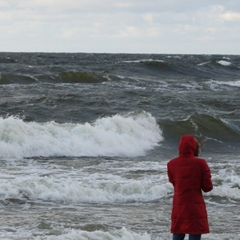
<point>85,139</point>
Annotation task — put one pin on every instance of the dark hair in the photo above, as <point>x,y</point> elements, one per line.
<point>198,149</point>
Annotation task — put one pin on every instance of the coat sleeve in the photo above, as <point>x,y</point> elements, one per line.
<point>170,176</point>
<point>207,185</point>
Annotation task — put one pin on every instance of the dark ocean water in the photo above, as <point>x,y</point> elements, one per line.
<point>85,138</point>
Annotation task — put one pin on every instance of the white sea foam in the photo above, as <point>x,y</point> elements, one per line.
<point>233,83</point>
<point>90,189</point>
<point>122,234</point>
<point>215,84</point>
<point>143,60</point>
<point>79,186</point>
<point>128,135</point>
<point>204,63</point>
<point>224,191</point>
<point>224,63</point>
<point>227,184</point>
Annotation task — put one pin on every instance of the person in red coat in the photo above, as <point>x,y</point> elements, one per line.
<point>190,176</point>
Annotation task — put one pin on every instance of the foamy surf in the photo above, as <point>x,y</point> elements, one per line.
<point>119,135</point>
<point>122,234</point>
<point>62,188</point>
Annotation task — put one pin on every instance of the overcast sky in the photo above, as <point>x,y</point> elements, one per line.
<point>121,26</point>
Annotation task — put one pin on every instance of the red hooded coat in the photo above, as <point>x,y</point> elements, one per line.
<point>189,176</point>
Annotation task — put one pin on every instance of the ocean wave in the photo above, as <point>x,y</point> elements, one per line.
<point>120,234</point>
<point>63,77</point>
<point>81,77</point>
<point>224,63</point>
<point>235,83</point>
<point>16,79</point>
<point>7,60</point>
<point>187,65</point>
<point>62,188</point>
<point>217,67</point>
<point>202,126</point>
<point>226,183</point>
<point>120,135</point>
<point>59,68</point>
<point>81,186</point>
<point>144,61</point>
<point>153,64</point>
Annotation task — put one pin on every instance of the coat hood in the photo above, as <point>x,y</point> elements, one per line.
<point>188,146</point>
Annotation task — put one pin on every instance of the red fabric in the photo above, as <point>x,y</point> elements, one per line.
<point>190,176</point>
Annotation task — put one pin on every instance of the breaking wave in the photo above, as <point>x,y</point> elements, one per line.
<point>119,135</point>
